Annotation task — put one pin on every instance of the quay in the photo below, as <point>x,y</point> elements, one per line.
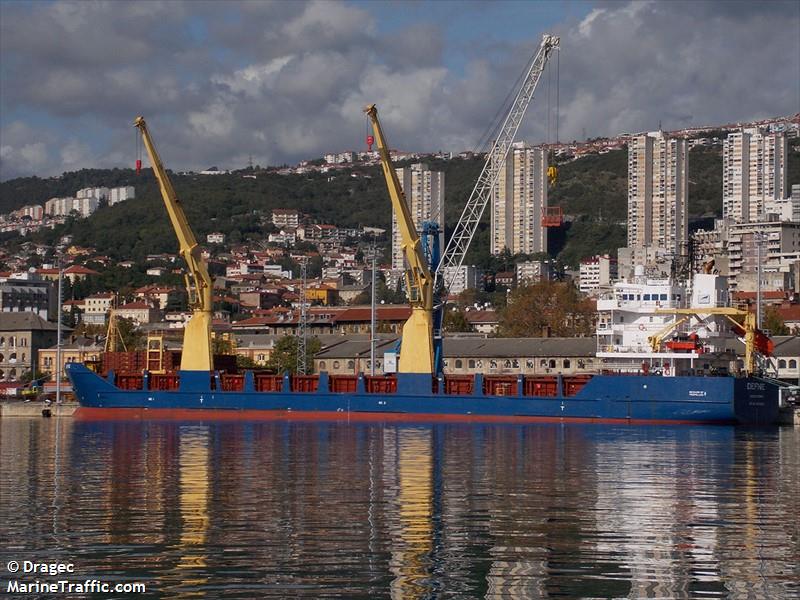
<point>36,408</point>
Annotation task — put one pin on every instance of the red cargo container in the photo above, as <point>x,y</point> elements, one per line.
<point>343,384</point>
<point>459,385</point>
<point>304,383</point>
<point>128,381</point>
<point>269,383</point>
<point>380,384</point>
<point>540,386</point>
<point>232,383</point>
<point>163,381</point>
<point>575,383</point>
<point>500,385</point>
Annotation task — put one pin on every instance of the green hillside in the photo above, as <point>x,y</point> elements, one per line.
<point>591,190</point>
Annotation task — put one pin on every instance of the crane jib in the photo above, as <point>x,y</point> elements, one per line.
<point>457,246</point>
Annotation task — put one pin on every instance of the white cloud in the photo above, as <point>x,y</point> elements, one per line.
<point>287,81</point>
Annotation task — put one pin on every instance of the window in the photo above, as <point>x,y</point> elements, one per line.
<point>471,363</point>
<point>23,342</point>
<point>566,363</point>
<point>782,363</point>
<point>336,364</point>
<point>646,297</point>
<point>459,363</point>
<point>2,340</point>
<point>793,364</point>
<point>351,364</point>
<point>663,296</point>
<point>322,365</point>
<point>552,363</point>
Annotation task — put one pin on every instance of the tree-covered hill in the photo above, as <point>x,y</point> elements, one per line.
<point>592,191</point>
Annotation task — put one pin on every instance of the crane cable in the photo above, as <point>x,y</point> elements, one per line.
<point>138,142</point>
<point>484,142</point>
<point>558,89</point>
<point>549,96</point>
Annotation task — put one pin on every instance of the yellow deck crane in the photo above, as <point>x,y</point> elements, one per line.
<point>196,355</point>
<point>416,348</point>
<point>755,341</point>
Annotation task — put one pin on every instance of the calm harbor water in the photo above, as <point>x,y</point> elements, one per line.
<point>321,510</point>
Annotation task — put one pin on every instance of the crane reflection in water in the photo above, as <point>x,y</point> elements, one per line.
<point>277,509</point>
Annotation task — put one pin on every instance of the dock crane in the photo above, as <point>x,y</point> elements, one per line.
<point>196,355</point>
<point>421,346</point>
<point>416,348</point>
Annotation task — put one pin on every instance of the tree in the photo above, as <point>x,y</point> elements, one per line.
<point>245,362</point>
<point>384,294</point>
<point>547,307</point>
<point>774,323</point>
<point>455,320</point>
<point>284,356</point>
<point>221,344</point>
<point>132,337</point>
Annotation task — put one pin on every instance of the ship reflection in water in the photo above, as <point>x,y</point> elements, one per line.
<point>279,509</point>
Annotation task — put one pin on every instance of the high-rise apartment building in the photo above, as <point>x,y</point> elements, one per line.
<point>424,192</point>
<point>658,189</point>
<point>120,194</point>
<point>519,200</point>
<point>753,173</point>
<point>98,193</point>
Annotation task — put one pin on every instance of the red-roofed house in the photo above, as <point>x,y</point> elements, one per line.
<point>73,273</point>
<point>482,321</point>
<point>139,312</point>
<point>160,296</point>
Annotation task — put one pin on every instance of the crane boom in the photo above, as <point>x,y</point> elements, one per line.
<point>755,341</point>
<point>457,246</point>
<point>196,354</point>
<point>416,349</point>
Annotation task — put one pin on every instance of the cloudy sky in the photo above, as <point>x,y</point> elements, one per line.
<point>283,81</point>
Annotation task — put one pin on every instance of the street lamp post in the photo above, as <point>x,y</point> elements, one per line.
<point>59,366</point>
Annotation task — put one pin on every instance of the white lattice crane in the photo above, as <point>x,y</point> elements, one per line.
<point>456,249</point>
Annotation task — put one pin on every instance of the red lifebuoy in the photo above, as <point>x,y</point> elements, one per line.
<point>642,327</point>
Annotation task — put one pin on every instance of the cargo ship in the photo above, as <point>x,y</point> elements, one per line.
<point>667,354</point>
<point>632,399</point>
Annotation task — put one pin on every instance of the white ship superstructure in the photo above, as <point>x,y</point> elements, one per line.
<point>659,326</point>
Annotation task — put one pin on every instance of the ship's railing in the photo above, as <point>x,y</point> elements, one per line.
<point>543,386</point>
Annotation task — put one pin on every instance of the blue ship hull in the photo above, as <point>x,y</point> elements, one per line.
<point>604,398</point>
